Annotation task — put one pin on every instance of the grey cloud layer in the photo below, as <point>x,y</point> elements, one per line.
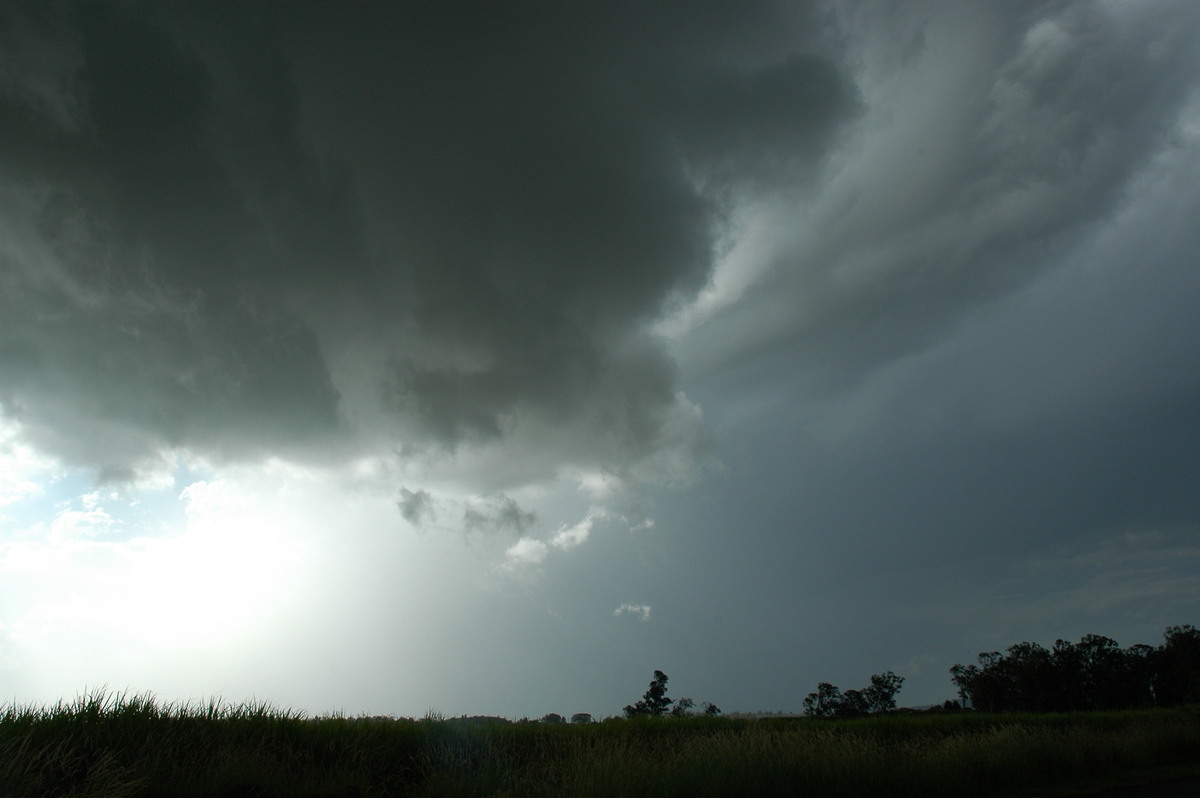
<point>290,227</point>
<point>993,143</point>
<point>976,336</point>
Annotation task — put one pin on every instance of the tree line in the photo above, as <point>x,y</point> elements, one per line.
<point>830,702</point>
<point>655,703</point>
<point>1093,674</point>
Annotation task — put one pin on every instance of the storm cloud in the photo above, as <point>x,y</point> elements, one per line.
<point>297,233</point>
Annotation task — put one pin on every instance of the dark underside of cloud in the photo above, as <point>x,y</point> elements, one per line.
<point>289,230</point>
<point>278,230</point>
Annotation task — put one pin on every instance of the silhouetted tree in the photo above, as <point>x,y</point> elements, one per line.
<point>1069,689</point>
<point>854,704</point>
<point>881,695</point>
<point>1140,663</point>
<point>964,677</point>
<point>1022,679</point>
<point>826,702</point>
<point>680,710</point>
<point>829,701</point>
<point>989,689</point>
<point>581,717</point>
<point>1107,679</point>
<point>654,701</point>
<point>1027,672</point>
<point>1177,667</point>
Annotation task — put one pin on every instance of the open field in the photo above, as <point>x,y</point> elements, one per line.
<point>131,746</point>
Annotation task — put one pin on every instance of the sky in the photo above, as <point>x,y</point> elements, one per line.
<point>482,358</point>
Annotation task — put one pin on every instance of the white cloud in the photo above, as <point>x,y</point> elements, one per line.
<point>568,537</point>
<point>599,485</point>
<point>93,522</point>
<point>529,551</point>
<point>526,551</point>
<point>22,469</point>
<point>640,611</point>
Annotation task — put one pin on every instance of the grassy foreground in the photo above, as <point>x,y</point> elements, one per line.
<point>131,746</point>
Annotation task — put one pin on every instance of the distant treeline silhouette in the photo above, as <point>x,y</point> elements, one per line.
<point>830,702</point>
<point>655,704</point>
<point>1093,674</point>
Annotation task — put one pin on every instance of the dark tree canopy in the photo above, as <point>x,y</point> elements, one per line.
<point>1093,674</point>
<point>830,702</point>
<point>654,702</point>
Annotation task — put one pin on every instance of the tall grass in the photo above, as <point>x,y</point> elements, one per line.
<point>121,745</point>
<point>898,756</point>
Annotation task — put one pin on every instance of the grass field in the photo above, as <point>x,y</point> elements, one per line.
<point>116,745</point>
